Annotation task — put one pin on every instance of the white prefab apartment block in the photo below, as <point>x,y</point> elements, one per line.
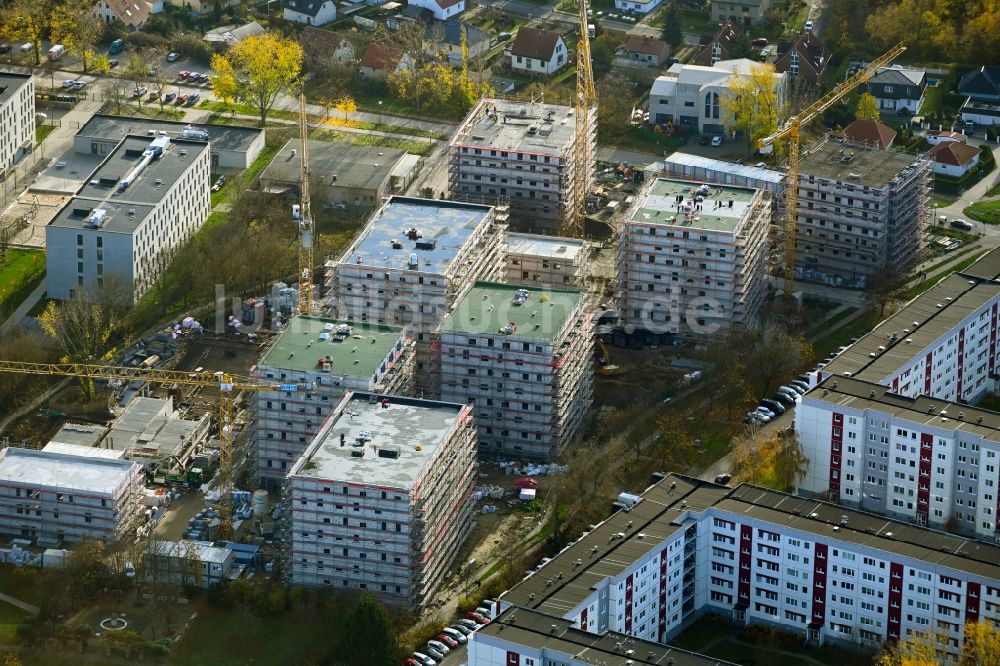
<point>148,197</point>
<point>17,117</point>
<point>890,427</point>
<point>68,497</point>
<point>381,501</point>
<point>859,211</point>
<point>333,358</point>
<point>520,152</point>
<point>523,357</point>
<point>547,261</point>
<point>410,263</point>
<point>692,258</point>
<point>830,574</point>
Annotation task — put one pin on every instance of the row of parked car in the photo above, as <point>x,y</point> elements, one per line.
<point>451,637</point>
<point>192,77</point>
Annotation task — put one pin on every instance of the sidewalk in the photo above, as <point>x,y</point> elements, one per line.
<point>23,605</point>
<point>15,318</point>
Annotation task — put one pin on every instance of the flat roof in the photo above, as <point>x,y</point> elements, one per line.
<point>10,83</point>
<point>488,307</point>
<point>80,434</point>
<point>141,413</point>
<point>921,322</point>
<point>358,354</point>
<point>544,246</point>
<point>63,471</point>
<point>127,210</point>
<point>617,543</point>
<point>537,630</point>
<point>206,551</point>
<point>742,170</point>
<point>529,127</point>
<point>84,451</point>
<point>449,224</point>
<point>221,137</point>
<point>658,205</point>
<point>871,168</point>
<point>355,167</point>
<point>415,428</point>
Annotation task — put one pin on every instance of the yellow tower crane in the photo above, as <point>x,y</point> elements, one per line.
<point>303,217</point>
<point>229,386</point>
<point>790,130</point>
<point>586,99</point>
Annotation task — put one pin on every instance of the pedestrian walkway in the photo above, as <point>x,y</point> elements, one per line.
<point>22,310</point>
<point>23,605</point>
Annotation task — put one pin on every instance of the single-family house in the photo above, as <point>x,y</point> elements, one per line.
<point>981,84</point>
<point>637,6</point>
<point>445,38</point>
<point>898,89</point>
<point>227,36</point>
<point>201,6</point>
<point>310,12</point>
<point>806,57</point>
<point>133,13</point>
<point>442,10</point>
<point>743,12</point>
<point>980,113</point>
<point>870,134</point>
<point>934,137</point>
<point>324,44</point>
<point>639,50</point>
<point>538,51</point>
<point>691,95</point>
<point>380,60</point>
<point>409,14</point>
<point>722,45</point>
<point>953,158</point>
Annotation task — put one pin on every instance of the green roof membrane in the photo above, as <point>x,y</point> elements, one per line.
<point>720,209</point>
<point>489,307</point>
<point>307,339</point>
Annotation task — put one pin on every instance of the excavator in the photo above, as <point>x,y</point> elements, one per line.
<point>604,360</point>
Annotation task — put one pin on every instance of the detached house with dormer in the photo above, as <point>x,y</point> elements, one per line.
<point>806,57</point>
<point>981,89</point>
<point>722,45</point>
<point>310,12</point>
<point>442,10</point>
<point>898,89</point>
<point>538,52</point>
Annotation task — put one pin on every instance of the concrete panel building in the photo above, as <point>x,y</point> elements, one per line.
<point>79,434</point>
<point>381,501</point>
<point>522,152</point>
<point>859,211</point>
<point>547,261</point>
<point>65,497</point>
<point>333,358</point>
<point>692,258</point>
<point>758,556</point>
<point>524,359</point>
<point>147,197</point>
<point>410,263</point>
<point>17,117</point>
<point>150,430</point>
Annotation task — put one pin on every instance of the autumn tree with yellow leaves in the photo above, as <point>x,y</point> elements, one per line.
<point>981,647</point>
<point>752,105</point>
<point>775,460</point>
<point>256,70</point>
<point>867,108</point>
<point>25,21</point>
<point>75,26</point>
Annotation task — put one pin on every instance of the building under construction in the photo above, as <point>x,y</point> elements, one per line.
<point>547,261</point>
<point>860,210</point>
<point>331,357</point>
<point>523,357</point>
<point>410,263</point>
<point>522,151</point>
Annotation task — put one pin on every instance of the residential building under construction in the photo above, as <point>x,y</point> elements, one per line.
<point>381,501</point>
<point>332,358</point>
<point>410,263</point>
<point>861,210</point>
<point>522,151</point>
<point>547,261</point>
<point>523,357</point>
<point>692,258</point>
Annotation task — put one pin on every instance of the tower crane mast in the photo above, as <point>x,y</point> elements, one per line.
<point>586,99</point>
<point>790,130</point>
<point>304,219</point>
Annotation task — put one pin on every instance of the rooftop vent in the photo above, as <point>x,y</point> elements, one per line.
<point>389,452</point>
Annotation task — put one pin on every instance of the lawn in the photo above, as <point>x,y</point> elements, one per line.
<point>42,131</point>
<point>984,211</point>
<point>222,637</point>
<point>10,617</point>
<point>693,21</point>
<point>935,278</point>
<point>643,140</point>
<point>842,336</point>
<point>20,583</point>
<point>18,269</point>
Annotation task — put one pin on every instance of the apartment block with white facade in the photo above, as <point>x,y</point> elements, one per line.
<point>758,556</point>
<point>410,263</point>
<point>521,153</point>
<point>381,500</point>
<point>148,196</point>
<point>860,211</point>
<point>17,117</point>
<point>523,357</point>
<point>68,497</point>
<point>692,258</point>
<point>331,357</point>
<point>547,261</point>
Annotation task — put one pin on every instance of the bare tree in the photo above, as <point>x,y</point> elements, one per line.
<point>115,90</point>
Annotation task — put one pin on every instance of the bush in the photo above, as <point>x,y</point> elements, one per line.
<point>192,46</point>
<point>144,40</point>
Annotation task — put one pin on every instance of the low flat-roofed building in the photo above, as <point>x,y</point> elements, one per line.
<point>146,198</point>
<point>150,430</point>
<point>82,450</point>
<point>199,563</point>
<point>17,117</point>
<point>67,497</point>
<point>342,174</point>
<point>692,258</point>
<point>523,357</point>
<point>79,434</point>
<point>232,147</point>
<point>381,500</point>
<point>685,166</point>
<point>547,261</point>
<point>334,358</point>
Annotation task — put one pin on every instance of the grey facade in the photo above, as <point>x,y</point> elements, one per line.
<point>17,117</point>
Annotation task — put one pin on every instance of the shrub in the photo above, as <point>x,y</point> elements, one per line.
<point>192,46</point>
<point>144,40</point>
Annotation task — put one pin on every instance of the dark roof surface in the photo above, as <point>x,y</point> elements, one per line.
<point>310,7</point>
<point>534,43</point>
<point>982,81</point>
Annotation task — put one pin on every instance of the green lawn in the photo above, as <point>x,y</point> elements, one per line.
<point>42,131</point>
<point>643,140</point>
<point>984,211</point>
<point>840,337</point>
<point>18,269</point>
<point>20,583</point>
<point>694,21</point>
<point>224,637</point>
<point>935,278</point>
<point>10,617</point>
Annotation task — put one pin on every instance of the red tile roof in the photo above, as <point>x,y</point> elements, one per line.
<point>381,56</point>
<point>534,43</point>
<point>640,44</point>
<point>953,153</point>
<point>870,133</point>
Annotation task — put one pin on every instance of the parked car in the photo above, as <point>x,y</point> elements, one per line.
<point>503,37</point>
<point>703,140</point>
<point>461,628</point>
<point>203,78</point>
<point>757,417</point>
<point>794,388</point>
<point>452,643</point>
<point>27,47</point>
<point>784,399</point>
<point>169,97</point>
<point>181,99</point>
<point>439,646</point>
<point>485,612</point>
<point>193,76</point>
<point>809,25</point>
<point>789,391</point>
<point>959,223</point>
<point>471,625</point>
<point>68,83</point>
<point>79,85</point>
<point>773,405</point>
<point>4,48</point>
<point>139,92</point>
<point>424,659</point>
<point>183,74</point>
<point>716,140</point>
<point>479,618</point>
<point>173,56</point>
<point>454,634</point>
<point>432,652</point>
<point>113,63</point>
<point>764,410</point>
<point>193,99</point>
<point>410,661</point>
<point>723,479</point>
<point>798,384</point>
